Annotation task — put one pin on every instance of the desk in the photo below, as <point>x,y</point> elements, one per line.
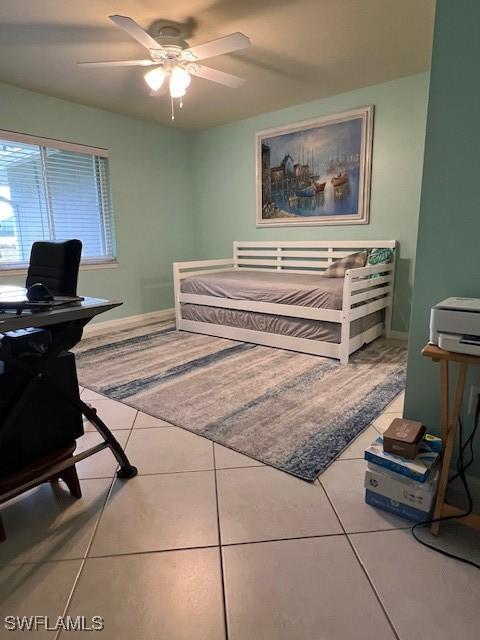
<point>71,320</point>
<point>449,425</point>
<point>82,312</point>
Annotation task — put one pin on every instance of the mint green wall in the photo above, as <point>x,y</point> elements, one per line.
<point>150,175</point>
<point>448,250</point>
<point>178,195</point>
<point>224,178</point>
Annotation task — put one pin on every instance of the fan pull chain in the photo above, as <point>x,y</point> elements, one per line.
<point>173,112</point>
<point>181,103</point>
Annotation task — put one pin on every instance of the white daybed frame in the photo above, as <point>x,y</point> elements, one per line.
<point>300,257</point>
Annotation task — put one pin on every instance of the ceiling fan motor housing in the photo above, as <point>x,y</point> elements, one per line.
<point>171,37</point>
<point>169,50</point>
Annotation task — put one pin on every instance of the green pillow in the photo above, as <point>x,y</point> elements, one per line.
<point>379,256</point>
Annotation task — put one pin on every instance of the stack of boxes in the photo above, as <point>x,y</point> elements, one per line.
<point>402,470</point>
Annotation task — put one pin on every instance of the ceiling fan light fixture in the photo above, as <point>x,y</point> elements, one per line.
<point>155,78</point>
<point>172,57</point>
<point>179,81</point>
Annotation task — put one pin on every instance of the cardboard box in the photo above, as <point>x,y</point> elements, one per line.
<point>418,469</point>
<point>403,438</point>
<point>397,508</point>
<point>418,495</point>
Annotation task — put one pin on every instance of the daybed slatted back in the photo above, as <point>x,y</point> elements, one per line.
<point>299,256</point>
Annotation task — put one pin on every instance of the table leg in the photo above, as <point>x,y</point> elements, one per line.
<point>444,398</point>
<point>449,430</point>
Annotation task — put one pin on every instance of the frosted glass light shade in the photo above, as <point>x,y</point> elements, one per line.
<point>179,81</point>
<point>155,78</point>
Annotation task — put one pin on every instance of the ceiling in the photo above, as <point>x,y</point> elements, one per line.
<point>301,50</point>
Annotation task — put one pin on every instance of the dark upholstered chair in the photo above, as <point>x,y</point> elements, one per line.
<point>56,265</point>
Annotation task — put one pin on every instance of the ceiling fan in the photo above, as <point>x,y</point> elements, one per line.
<point>172,58</point>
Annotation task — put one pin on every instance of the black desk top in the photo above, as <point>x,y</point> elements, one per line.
<point>86,309</point>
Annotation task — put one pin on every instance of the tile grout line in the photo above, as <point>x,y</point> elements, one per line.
<point>206,546</point>
<point>222,576</point>
<point>362,566</point>
<point>151,551</point>
<point>166,473</point>
<point>312,537</point>
<point>89,544</point>
<point>158,426</point>
<point>70,595</point>
<point>374,589</point>
<point>177,549</point>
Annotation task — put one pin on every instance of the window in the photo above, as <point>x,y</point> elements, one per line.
<point>53,191</point>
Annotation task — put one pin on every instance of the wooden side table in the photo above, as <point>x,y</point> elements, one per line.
<point>449,425</point>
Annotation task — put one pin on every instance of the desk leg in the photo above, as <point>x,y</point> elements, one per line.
<point>126,470</point>
<point>449,430</point>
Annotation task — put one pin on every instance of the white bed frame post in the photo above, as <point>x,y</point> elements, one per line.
<point>389,309</point>
<point>345,330</point>
<point>176,291</point>
<point>235,254</point>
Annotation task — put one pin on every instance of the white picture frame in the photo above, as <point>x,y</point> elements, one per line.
<point>324,176</point>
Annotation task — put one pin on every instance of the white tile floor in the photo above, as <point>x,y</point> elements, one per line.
<point>207,544</point>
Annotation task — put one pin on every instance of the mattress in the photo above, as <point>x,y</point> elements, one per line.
<point>303,289</point>
<point>281,325</point>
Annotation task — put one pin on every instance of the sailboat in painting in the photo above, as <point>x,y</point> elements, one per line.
<point>308,192</point>
<point>339,180</point>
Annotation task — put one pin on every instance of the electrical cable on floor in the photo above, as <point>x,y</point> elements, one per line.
<point>468,443</point>
<point>461,469</point>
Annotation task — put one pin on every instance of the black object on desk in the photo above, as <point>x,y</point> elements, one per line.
<point>55,265</point>
<point>43,373</point>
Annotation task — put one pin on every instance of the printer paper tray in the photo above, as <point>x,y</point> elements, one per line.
<point>458,344</point>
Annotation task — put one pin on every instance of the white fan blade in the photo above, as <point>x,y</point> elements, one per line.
<point>118,63</point>
<point>216,76</point>
<point>233,42</point>
<point>136,31</point>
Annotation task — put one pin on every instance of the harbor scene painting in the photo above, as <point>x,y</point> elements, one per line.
<point>316,172</point>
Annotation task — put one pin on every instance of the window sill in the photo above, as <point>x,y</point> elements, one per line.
<point>86,266</point>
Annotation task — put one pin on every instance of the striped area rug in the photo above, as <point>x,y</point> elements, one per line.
<point>292,411</point>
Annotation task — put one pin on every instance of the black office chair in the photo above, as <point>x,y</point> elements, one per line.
<point>55,265</point>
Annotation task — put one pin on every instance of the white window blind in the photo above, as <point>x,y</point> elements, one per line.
<point>53,191</point>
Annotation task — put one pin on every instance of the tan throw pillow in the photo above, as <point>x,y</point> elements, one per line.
<point>338,268</point>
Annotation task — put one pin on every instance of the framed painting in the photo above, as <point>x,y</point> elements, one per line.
<point>316,172</point>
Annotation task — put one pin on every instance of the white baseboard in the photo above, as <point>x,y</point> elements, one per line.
<point>101,328</point>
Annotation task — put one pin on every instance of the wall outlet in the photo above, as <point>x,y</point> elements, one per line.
<point>473,398</point>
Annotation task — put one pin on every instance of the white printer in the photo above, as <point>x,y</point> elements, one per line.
<point>455,325</point>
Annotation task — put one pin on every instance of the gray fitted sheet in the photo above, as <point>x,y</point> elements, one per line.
<point>282,325</point>
<point>304,289</point>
